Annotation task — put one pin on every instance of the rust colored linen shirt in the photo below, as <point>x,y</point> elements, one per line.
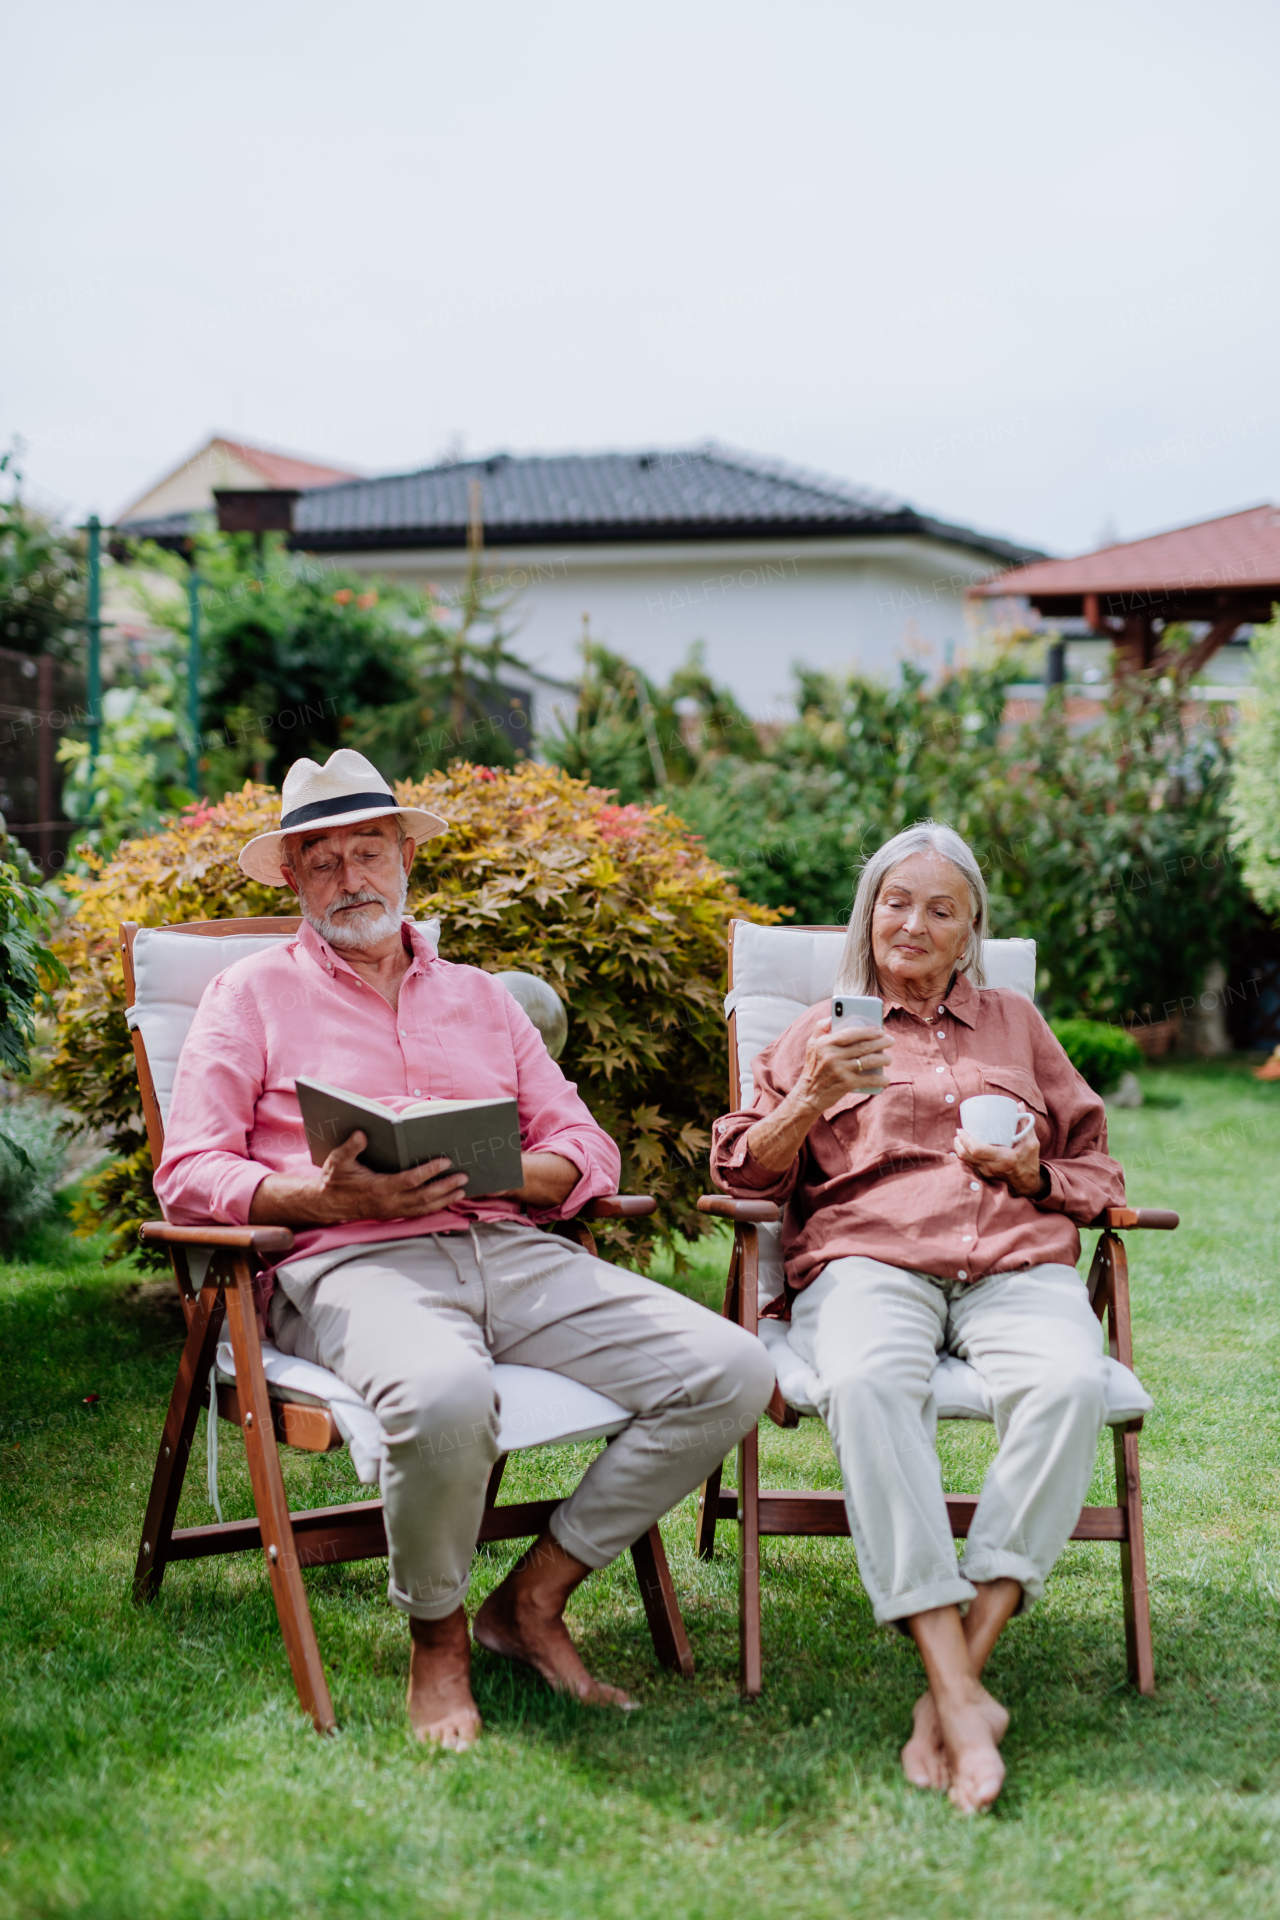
<point>456,1034</point>
<point>877,1175</point>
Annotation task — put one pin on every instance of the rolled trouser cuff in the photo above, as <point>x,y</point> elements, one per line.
<point>432,1609</point>
<point>899,1607</point>
<point>566,1535</point>
<point>986,1564</point>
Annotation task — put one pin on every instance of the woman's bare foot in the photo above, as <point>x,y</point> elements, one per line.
<point>977,1771</point>
<point>924,1758</point>
<point>442,1712</point>
<point>523,1620</point>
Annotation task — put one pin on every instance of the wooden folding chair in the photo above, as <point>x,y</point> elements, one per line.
<point>774,974</point>
<point>166,969</point>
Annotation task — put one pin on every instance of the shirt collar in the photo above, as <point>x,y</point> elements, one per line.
<point>330,959</point>
<point>961,1002</point>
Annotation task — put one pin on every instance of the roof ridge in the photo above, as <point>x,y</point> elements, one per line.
<point>766,467</point>
<point>252,452</point>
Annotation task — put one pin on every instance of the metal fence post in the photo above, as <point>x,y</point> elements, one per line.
<point>94,625</point>
<point>193,679</point>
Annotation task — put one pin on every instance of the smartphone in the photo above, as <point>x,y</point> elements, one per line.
<point>857,1010</point>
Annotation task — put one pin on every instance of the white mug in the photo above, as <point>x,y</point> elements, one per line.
<point>994,1120</point>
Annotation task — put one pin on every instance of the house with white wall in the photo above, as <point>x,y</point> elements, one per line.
<point>764,565</point>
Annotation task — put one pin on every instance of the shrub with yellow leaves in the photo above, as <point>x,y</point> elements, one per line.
<point>620,909</point>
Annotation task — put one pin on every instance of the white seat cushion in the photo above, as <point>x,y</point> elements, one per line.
<point>536,1408</point>
<point>778,972</point>
<point>171,971</point>
<point>957,1387</point>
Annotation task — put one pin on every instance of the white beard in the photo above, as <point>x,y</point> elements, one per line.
<point>353,930</point>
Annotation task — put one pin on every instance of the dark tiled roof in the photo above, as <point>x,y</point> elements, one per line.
<point>704,493</point>
<point>171,530</point>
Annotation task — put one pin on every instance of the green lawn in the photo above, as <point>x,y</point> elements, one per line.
<point>154,1763</point>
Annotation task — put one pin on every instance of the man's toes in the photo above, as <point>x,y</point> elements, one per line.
<point>598,1693</point>
<point>456,1732</point>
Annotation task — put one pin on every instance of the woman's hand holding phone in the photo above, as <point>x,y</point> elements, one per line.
<point>844,1055</point>
<point>847,1053</point>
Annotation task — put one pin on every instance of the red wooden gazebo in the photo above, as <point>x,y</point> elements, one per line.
<point>1226,572</point>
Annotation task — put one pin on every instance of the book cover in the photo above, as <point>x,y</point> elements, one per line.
<point>480,1138</point>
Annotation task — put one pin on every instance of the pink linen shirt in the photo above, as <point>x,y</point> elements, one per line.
<point>456,1034</point>
<point>877,1174</point>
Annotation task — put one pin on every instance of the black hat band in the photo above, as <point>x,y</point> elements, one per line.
<point>321,809</point>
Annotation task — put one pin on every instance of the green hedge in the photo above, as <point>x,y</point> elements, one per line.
<point>1101,1054</point>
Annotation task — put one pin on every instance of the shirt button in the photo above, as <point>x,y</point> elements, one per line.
<point>966,1237</point>
<point>403,1034</point>
<point>974,1187</point>
<point>961,1274</point>
<point>417,1089</point>
<point>950,1098</point>
<point>939,1069</point>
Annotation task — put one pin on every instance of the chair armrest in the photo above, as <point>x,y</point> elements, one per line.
<point>753,1213</point>
<point>619,1206</point>
<point>226,1239</point>
<point>1115,1217</point>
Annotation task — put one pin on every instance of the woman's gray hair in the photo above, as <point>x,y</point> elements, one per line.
<point>857,962</point>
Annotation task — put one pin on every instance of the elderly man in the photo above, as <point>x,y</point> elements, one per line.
<point>906,1236</point>
<point>404,1287</point>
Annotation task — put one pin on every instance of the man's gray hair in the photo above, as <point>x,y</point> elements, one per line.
<point>857,963</point>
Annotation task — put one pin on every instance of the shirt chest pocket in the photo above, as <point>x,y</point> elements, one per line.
<point>1016,1084</point>
<point>863,1127</point>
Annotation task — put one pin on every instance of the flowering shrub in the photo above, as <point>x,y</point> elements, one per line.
<point>619,908</point>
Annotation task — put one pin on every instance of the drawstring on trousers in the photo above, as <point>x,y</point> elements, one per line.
<point>484,1287</point>
<point>446,1241</point>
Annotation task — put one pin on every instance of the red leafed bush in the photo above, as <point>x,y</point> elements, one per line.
<point>619,908</point>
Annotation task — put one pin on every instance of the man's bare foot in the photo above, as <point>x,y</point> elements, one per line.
<point>442,1712</point>
<point>924,1758</point>
<point>977,1771</point>
<point>523,1620</point>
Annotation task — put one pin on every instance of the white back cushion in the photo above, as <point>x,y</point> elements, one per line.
<point>779,971</point>
<point>171,971</point>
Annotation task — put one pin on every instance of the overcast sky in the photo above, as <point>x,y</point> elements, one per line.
<point>1016,263</point>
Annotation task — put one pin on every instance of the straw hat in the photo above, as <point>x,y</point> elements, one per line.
<point>342,793</point>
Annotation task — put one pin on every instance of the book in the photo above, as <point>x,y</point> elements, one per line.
<point>480,1138</point>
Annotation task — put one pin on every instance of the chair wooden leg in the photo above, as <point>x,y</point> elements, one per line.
<point>710,1491</point>
<point>1133,1566</point>
<point>203,1330</point>
<point>706,1531</point>
<point>1133,1551</point>
<point>750,1676</point>
<point>662,1609</point>
<point>272,1507</point>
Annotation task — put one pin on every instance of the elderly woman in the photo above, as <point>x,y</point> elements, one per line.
<point>904,1238</point>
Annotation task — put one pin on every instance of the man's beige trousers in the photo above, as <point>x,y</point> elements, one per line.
<point>873,1333</point>
<point>416,1327</point>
